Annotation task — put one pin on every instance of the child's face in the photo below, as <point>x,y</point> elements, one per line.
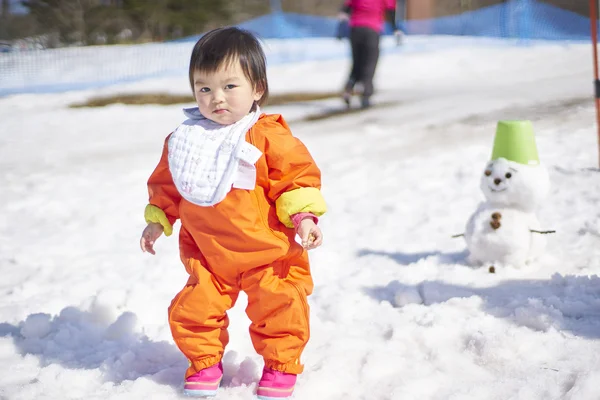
<point>225,96</point>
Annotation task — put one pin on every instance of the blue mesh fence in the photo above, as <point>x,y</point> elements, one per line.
<point>56,70</point>
<point>517,19</point>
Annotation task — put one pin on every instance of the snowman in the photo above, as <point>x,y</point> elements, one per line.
<point>504,230</point>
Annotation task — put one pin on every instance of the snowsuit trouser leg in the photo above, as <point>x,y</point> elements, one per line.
<point>198,317</point>
<point>278,309</point>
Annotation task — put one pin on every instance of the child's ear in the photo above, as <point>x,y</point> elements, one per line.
<point>259,92</point>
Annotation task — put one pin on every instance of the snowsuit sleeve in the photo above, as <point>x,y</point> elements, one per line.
<point>163,207</point>
<point>294,180</point>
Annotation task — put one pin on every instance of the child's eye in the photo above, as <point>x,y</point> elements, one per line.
<point>230,86</point>
<point>204,90</point>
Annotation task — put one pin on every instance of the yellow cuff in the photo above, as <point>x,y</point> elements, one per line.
<point>156,215</point>
<point>306,199</point>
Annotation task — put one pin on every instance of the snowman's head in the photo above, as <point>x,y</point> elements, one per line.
<point>510,184</point>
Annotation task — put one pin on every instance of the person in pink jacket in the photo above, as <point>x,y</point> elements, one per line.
<point>366,19</point>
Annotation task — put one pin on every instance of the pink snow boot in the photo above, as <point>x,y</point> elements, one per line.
<point>275,385</point>
<point>204,383</point>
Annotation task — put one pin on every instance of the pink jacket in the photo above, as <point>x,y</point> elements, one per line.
<point>369,13</point>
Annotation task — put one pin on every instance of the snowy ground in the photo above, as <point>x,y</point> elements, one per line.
<point>396,314</point>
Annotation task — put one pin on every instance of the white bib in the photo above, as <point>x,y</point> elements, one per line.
<point>207,159</point>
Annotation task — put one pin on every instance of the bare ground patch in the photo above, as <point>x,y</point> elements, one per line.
<point>169,99</point>
<point>331,112</point>
<point>533,112</point>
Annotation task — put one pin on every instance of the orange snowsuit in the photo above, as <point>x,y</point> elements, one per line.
<point>245,242</point>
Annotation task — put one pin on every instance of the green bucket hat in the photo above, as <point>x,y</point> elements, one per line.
<point>515,141</point>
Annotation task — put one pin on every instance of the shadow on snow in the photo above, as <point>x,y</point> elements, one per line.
<point>411,258</point>
<point>565,303</point>
<point>77,339</point>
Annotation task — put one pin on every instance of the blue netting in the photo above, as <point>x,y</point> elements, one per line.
<point>75,68</point>
<point>281,25</point>
<point>290,26</point>
<point>520,19</point>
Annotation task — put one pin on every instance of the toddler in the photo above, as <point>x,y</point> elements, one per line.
<point>242,187</point>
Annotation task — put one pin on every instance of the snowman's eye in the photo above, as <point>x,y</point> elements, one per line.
<point>508,175</point>
<point>487,172</point>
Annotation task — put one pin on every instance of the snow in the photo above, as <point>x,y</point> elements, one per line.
<point>396,314</point>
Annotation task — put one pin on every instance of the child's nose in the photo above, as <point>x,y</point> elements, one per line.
<point>218,97</point>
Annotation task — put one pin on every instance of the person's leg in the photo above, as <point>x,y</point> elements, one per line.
<point>361,37</point>
<point>371,57</point>
<point>198,317</point>
<point>355,43</point>
<point>278,309</point>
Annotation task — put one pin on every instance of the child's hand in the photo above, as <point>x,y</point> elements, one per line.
<point>149,236</point>
<point>310,234</point>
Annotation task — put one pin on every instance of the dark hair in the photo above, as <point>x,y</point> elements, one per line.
<point>226,45</point>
